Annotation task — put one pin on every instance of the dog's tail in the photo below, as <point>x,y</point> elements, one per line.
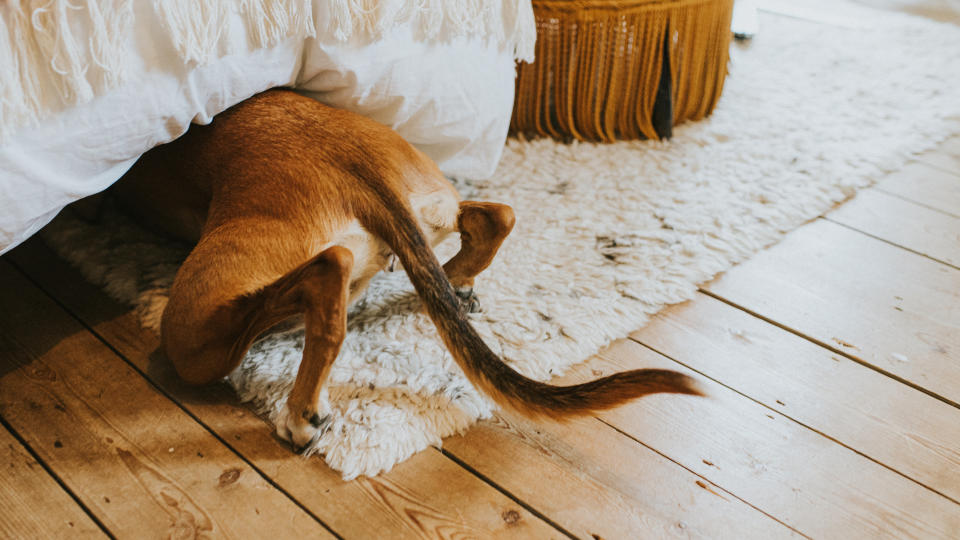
<point>398,228</point>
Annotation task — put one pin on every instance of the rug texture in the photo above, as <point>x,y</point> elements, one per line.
<point>606,234</point>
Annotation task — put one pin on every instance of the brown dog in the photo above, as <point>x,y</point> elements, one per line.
<point>294,207</point>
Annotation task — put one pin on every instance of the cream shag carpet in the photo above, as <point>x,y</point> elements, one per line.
<point>607,234</point>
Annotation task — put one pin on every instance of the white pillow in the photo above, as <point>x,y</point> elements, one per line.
<point>452,100</point>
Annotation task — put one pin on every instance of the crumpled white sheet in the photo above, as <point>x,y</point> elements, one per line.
<point>453,100</point>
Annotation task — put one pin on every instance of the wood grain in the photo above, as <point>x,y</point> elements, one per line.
<point>596,482</point>
<point>34,505</point>
<point>132,457</point>
<point>892,423</point>
<point>906,224</point>
<point>593,480</point>
<point>884,306</point>
<point>926,185</point>
<point>790,472</point>
<point>427,496</point>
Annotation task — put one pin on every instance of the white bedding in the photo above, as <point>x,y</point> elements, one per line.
<point>452,98</point>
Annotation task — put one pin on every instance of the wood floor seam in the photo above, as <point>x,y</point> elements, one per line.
<point>56,478</point>
<point>916,202</point>
<point>695,473</point>
<point>798,422</point>
<point>888,242</point>
<point>466,466</point>
<point>940,167</point>
<point>830,348</point>
<point>172,399</point>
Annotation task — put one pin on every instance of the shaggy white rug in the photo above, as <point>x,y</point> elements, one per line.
<point>607,234</point>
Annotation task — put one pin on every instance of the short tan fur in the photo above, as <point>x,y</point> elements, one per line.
<point>294,206</point>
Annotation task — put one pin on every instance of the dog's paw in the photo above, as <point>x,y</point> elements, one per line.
<point>302,428</point>
<point>469,302</point>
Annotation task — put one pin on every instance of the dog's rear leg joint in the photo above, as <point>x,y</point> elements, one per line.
<point>483,227</point>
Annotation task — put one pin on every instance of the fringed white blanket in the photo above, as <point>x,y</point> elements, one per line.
<point>87,86</point>
<point>59,53</point>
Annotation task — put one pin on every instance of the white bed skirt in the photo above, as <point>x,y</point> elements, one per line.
<point>450,97</point>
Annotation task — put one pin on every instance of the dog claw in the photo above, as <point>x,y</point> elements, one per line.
<point>303,449</point>
<point>303,430</point>
<point>469,301</point>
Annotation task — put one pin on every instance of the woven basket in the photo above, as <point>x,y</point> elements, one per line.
<point>599,63</point>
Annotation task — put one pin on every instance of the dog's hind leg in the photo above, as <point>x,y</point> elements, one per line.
<point>204,348</point>
<point>483,227</point>
<point>324,297</point>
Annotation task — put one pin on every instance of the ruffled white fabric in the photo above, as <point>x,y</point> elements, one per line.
<point>83,93</point>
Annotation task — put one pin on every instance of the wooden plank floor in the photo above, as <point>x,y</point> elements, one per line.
<point>830,359</point>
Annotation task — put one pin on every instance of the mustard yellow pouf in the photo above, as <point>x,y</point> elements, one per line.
<point>599,76</point>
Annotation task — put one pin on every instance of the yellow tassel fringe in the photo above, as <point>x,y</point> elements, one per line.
<point>598,66</point>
